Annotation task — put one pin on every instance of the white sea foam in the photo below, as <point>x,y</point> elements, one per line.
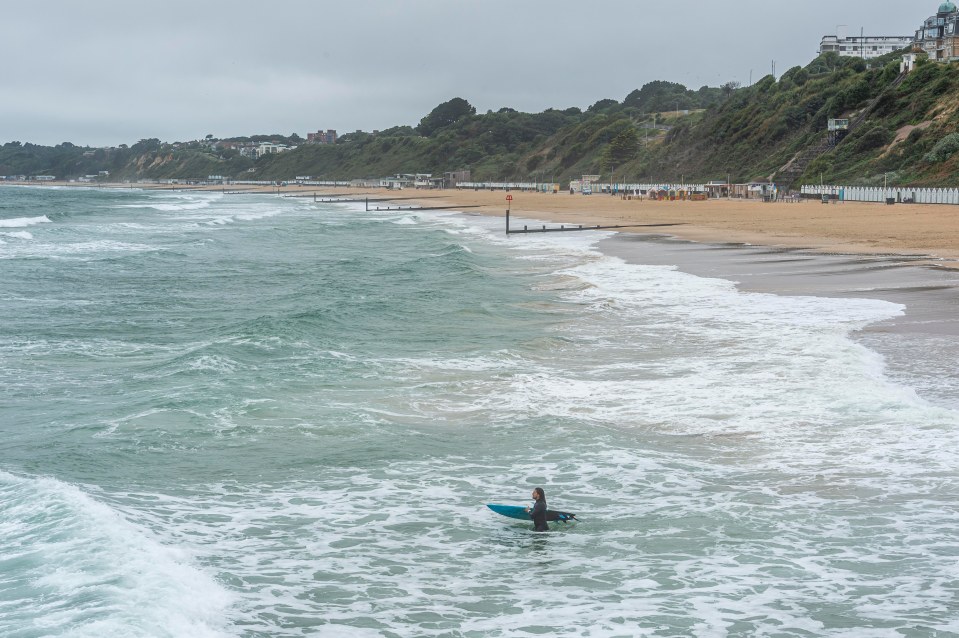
<point>88,572</point>
<point>175,201</point>
<point>260,213</point>
<point>18,235</point>
<point>213,363</point>
<point>664,543</point>
<point>75,250</point>
<point>225,215</point>
<point>23,222</point>
<point>655,348</point>
<point>741,467</point>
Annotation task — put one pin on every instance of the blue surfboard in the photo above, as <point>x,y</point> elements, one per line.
<point>519,512</point>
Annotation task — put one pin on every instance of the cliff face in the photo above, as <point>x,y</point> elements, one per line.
<point>778,129</point>
<point>904,129</point>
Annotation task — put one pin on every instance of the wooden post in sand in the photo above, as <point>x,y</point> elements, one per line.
<point>509,204</point>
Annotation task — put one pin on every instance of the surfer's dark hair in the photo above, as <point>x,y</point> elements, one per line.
<point>541,493</point>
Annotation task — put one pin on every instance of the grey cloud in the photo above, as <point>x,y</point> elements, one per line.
<point>110,72</point>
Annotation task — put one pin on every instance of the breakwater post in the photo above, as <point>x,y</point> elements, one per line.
<point>564,228</point>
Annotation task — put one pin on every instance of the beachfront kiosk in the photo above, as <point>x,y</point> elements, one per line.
<point>584,186</point>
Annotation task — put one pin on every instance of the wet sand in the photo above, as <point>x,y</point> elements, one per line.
<point>931,294</point>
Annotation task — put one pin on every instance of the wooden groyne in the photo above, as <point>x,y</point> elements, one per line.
<point>328,198</point>
<point>332,196</point>
<point>564,228</point>
<point>410,208</point>
<point>177,188</point>
<point>574,227</point>
<point>414,208</point>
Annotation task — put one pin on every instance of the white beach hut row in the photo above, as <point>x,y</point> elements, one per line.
<point>902,194</point>
<point>632,188</point>
<point>646,187</point>
<point>577,185</point>
<point>520,186</point>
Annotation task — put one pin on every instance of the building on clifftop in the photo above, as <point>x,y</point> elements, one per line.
<point>329,137</point>
<point>865,47</point>
<point>938,35</point>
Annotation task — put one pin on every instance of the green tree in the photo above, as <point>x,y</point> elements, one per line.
<point>602,106</point>
<point>444,115</point>
<point>729,87</point>
<point>151,145</point>
<point>621,148</point>
<point>660,95</point>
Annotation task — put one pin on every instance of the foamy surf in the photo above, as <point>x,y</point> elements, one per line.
<point>23,222</point>
<point>18,235</point>
<point>289,424</point>
<point>88,572</point>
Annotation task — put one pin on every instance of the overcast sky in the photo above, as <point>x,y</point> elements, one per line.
<point>106,72</point>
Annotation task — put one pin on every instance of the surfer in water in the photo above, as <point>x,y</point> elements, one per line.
<point>538,511</point>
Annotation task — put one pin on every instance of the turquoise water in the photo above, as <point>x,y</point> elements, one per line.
<point>256,416</point>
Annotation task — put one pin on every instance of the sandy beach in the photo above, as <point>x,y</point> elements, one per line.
<point>849,227</point>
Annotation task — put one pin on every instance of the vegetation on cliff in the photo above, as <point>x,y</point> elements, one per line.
<point>662,132</point>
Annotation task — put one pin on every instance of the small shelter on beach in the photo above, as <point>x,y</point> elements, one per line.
<point>398,182</point>
<point>717,189</point>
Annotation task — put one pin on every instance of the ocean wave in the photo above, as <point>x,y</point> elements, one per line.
<point>23,222</point>
<point>666,544</point>
<point>75,567</point>
<point>740,464</point>
<point>173,202</point>
<point>654,348</point>
<point>75,250</point>
<point>658,346</point>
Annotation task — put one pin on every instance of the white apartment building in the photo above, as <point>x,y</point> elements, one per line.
<point>865,47</point>
<point>269,148</point>
<point>255,151</point>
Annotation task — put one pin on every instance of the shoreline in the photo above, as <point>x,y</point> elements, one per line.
<point>744,242</point>
<point>772,248</point>
<point>927,231</point>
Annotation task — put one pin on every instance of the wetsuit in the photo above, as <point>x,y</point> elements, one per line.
<point>538,514</point>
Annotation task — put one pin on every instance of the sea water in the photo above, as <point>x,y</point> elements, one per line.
<point>248,415</point>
